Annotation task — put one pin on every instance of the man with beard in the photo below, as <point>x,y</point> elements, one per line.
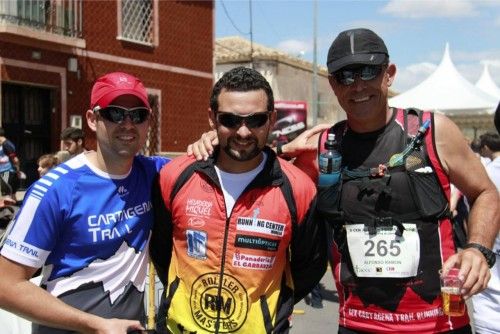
<point>391,228</point>
<point>87,223</point>
<point>235,239</point>
<point>73,140</point>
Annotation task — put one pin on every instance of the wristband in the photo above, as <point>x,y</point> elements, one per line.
<point>488,254</point>
<point>279,151</point>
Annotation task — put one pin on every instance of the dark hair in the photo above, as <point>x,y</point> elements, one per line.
<point>492,140</point>
<point>73,134</point>
<point>497,118</point>
<point>475,145</point>
<point>2,132</point>
<point>48,160</point>
<point>241,79</point>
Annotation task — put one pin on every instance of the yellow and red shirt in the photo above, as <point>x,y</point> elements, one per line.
<point>239,274</point>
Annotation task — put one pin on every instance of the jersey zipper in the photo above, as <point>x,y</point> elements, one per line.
<point>221,275</point>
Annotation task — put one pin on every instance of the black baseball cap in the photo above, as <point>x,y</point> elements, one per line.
<point>356,46</point>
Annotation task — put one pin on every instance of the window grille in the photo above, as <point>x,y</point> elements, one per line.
<point>152,145</point>
<point>137,21</point>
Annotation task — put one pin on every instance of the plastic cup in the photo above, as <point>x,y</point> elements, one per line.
<point>451,284</point>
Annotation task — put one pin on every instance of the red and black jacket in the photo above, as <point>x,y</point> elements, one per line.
<point>242,273</point>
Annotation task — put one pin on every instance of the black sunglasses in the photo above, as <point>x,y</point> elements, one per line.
<point>233,121</point>
<point>117,114</point>
<point>347,76</point>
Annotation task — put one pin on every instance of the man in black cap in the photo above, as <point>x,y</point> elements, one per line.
<point>389,282</point>
<point>391,228</point>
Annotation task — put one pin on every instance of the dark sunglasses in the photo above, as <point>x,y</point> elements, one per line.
<point>117,114</point>
<point>346,77</point>
<point>233,121</point>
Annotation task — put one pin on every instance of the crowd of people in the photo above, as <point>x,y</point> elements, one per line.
<point>238,234</point>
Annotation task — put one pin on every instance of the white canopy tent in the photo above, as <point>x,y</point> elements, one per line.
<point>487,84</point>
<point>447,91</point>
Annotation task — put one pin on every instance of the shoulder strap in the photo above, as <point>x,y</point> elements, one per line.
<point>412,120</point>
<point>415,118</point>
<point>286,189</point>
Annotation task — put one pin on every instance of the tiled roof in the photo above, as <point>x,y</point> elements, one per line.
<point>236,49</point>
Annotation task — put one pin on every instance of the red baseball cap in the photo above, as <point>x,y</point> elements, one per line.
<point>115,84</point>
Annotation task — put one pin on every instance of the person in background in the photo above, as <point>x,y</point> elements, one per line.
<point>487,303</point>
<point>62,156</point>
<point>73,140</point>
<point>10,323</point>
<point>235,239</point>
<point>88,223</point>
<point>8,210</point>
<point>45,163</point>
<point>475,146</point>
<point>10,171</point>
<point>496,118</point>
<point>408,194</point>
<point>490,149</point>
<point>315,298</point>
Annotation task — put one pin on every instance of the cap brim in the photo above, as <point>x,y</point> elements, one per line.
<point>360,58</point>
<point>106,100</point>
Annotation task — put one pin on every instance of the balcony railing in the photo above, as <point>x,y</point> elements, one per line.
<point>61,17</point>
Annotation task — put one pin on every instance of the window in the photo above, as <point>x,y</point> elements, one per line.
<point>153,144</point>
<point>137,21</point>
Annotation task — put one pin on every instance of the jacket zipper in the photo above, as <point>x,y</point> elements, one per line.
<point>221,275</point>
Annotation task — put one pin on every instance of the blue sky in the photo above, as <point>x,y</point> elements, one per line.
<point>415,32</point>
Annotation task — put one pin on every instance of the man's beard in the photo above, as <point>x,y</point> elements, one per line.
<point>242,155</point>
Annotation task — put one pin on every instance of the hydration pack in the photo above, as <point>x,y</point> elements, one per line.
<point>424,185</point>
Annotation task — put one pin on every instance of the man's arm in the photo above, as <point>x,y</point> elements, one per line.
<point>20,296</point>
<point>306,152</point>
<point>306,142</point>
<point>160,245</point>
<point>203,147</point>
<point>10,151</point>
<point>309,253</point>
<point>468,174</point>
<point>16,163</point>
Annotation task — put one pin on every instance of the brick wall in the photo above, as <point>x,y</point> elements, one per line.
<point>185,43</point>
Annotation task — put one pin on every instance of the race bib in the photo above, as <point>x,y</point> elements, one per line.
<point>384,254</point>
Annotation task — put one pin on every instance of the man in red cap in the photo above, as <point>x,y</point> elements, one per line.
<point>87,224</point>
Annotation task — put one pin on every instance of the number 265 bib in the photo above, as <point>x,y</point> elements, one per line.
<point>384,254</point>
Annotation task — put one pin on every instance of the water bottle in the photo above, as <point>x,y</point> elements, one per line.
<point>329,163</point>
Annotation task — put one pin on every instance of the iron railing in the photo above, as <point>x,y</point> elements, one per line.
<point>62,17</point>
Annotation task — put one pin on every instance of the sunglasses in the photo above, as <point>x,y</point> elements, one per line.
<point>346,77</point>
<point>117,114</point>
<point>233,121</point>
